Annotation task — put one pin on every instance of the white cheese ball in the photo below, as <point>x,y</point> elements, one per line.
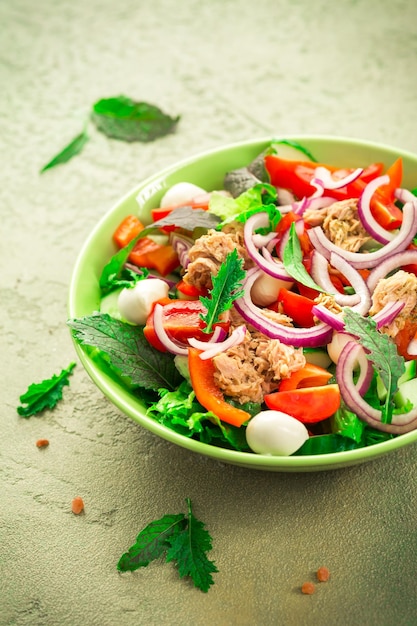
<point>135,303</point>
<point>266,288</point>
<point>275,433</point>
<point>180,193</point>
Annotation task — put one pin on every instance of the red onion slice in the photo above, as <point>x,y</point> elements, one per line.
<point>324,178</point>
<point>320,273</point>
<point>313,337</point>
<point>210,349</point>
<point>394,262</point>
<point>404,195</point>
<point>368,260</point>
<point>388,313</point>
<point>272,268</point>
<point>167,342</point>
<point>328,317</point>
<point>401,423</point>
<point>365,215</point>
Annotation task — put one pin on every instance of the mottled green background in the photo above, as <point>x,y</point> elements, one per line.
<point>234,70</point>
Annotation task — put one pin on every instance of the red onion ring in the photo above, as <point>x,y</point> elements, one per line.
<point>313,337</point>
<point>328,317</point>
<point>367,260</point>
<point>320,273</point>
<point>167,342</point>
<point>272,268</point>
<point>396,261</point>
<point>401,423</point>
<point>365,215</point>
<point>404,195</point>
<point>388,313</point>
<point>325,179</point>
<point>211,349</point>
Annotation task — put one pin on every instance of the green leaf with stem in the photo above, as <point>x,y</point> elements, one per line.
<point>44,395</point>
<point>293,261</point>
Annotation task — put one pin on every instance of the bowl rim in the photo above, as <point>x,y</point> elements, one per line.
<point>122,398</point>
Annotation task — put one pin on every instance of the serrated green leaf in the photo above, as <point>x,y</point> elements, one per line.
<point>44,395</point>
<point>128,350</point>
<point>70,151</point>
<point>227,287</point>
<point>123,118</point>
<point>152,542</point>
<point>188,550</point>
<point>381,351</point>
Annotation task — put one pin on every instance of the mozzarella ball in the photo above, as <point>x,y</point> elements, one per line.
<point>180,193</point>
<point>275,433</point>
<point>266,288</point>
<point>338,342</point>
<point>135,303</point>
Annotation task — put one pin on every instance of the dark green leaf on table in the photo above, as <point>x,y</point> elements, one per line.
<point>71,150</point>
<point>128,351</point>
<point>123,118</point>
<point>44,395</point>
<point>183,539</point>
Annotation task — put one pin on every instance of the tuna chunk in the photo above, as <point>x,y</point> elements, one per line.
<point>210,251</point>
<point>254,368</point>
<point>340,223</point>
<point>401,286</point>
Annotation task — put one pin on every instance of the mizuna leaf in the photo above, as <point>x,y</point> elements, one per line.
<point>227,287</point>
<point>188,549</point>
<point>44,395</point>
<point>152,542</point>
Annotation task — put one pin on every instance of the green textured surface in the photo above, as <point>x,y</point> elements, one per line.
<point>233,70</point>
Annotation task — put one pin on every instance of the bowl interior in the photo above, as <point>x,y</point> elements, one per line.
<point>207,170</point>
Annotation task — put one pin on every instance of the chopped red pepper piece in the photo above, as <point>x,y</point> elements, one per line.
<point>208,393</point>
<point>308,376</point>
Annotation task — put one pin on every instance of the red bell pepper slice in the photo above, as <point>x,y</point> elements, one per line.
<point>296,306</point>
<point>308,376</point>
<point>208,393</point>
<point>308,405</point>
<point>181,320</point>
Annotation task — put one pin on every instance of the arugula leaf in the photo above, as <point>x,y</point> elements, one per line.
<point>123,118</point>
<point>381,351</point>
<point>71,150</point>
<point>188,549</point>
<point>152,542</point>
<point>227,287</point>
<point>293,261</point>
<point>44,395</point>
<point>183,539</point>
<point>183,217</point>
<point>128,350</point>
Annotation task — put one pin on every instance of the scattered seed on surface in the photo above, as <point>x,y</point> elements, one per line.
<point>77,505</point>
<point>308,588</point>
<point>323,574</point>
<point>42,443</point>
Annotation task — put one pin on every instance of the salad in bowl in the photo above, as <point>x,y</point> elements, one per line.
<point>258,303</point>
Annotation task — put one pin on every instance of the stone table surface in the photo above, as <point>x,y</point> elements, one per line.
<point>234,70</point>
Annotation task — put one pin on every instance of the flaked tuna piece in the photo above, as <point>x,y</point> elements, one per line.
<point>254,368</point>
<point>210,251</point>
<point>341,224</point>
<point>401,286</point>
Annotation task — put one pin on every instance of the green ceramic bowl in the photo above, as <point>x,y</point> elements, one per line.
<point>207,170</point>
